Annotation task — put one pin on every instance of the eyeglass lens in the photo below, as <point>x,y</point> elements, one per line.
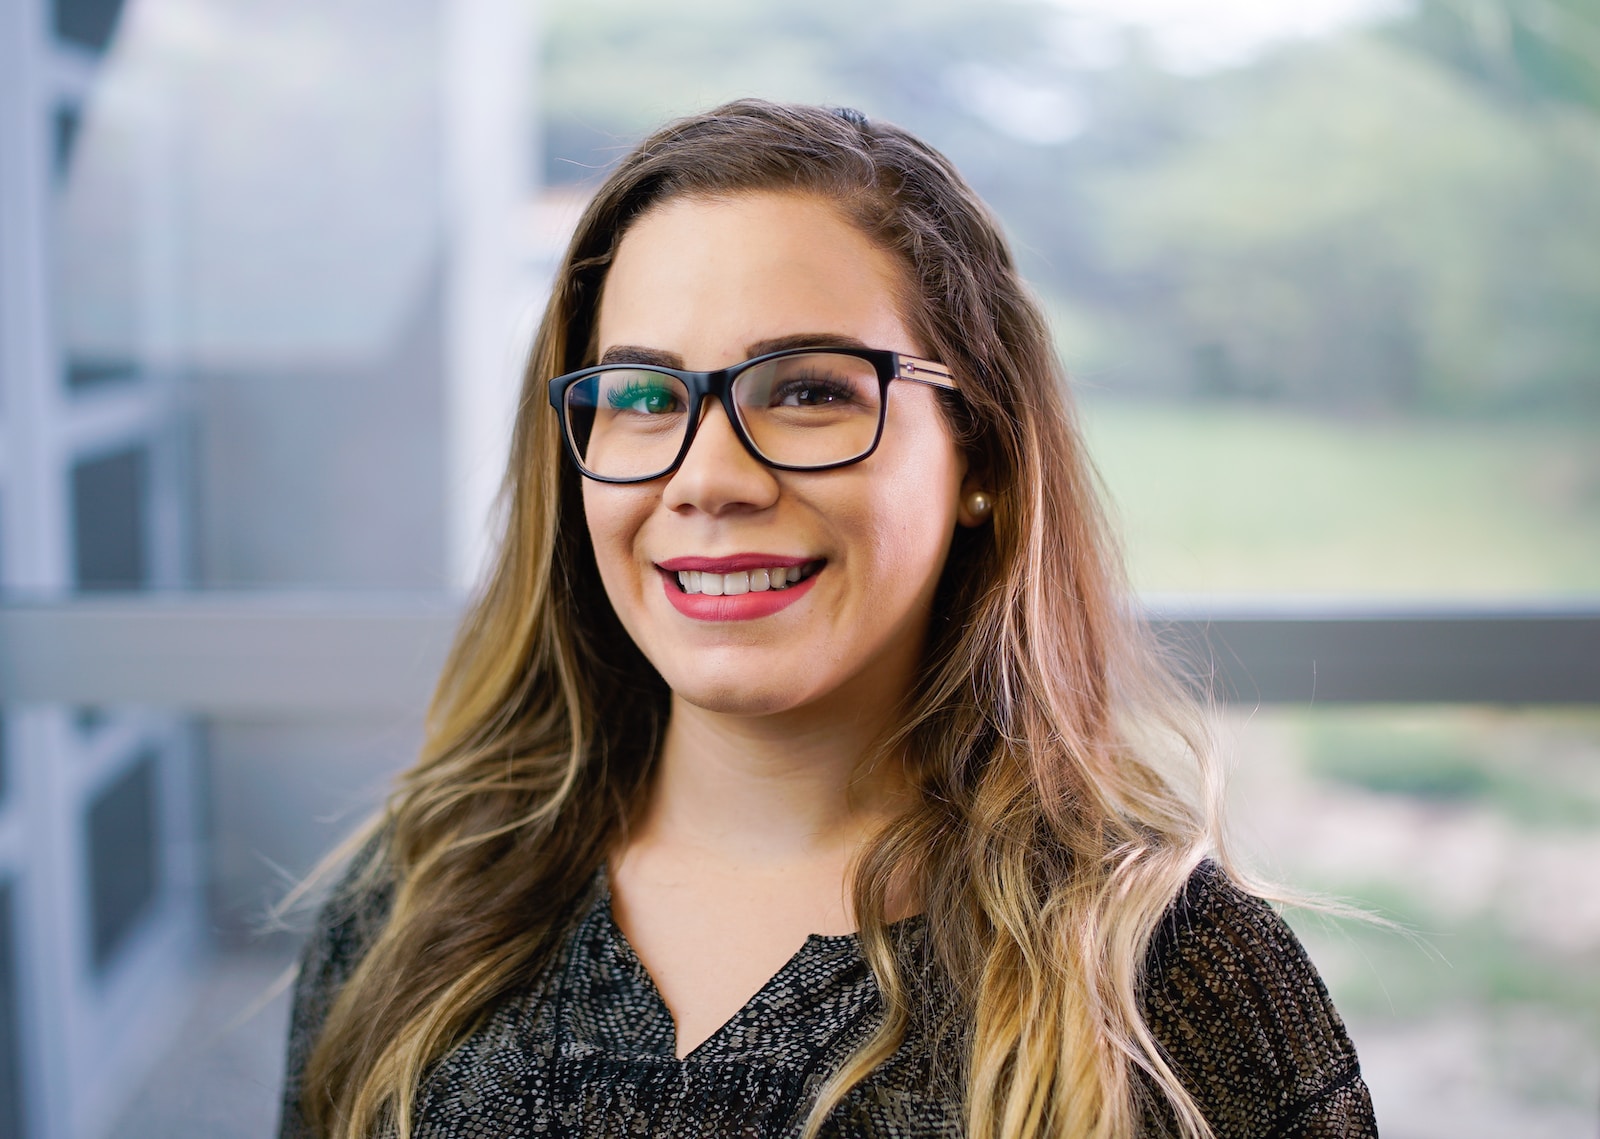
<point>813,409</point>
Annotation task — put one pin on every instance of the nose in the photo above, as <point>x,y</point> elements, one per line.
<point>718,475</point>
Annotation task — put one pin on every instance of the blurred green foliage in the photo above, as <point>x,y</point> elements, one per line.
<point>1425,765</point>
<point>1446,760</point>
<point>1525,51</point>
<point>1442,963</point>
<point>1487,818</point>
<point>1396,220</point>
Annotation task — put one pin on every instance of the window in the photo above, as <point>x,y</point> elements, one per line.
<point>87,23</point>
<point>11,1113</point>
<point>1477,830</point>
<point>122,839</point>
<point>109,523</point>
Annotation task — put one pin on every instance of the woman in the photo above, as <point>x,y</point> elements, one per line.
<point>800,769</point>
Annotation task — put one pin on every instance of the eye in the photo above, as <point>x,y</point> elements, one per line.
<point>813,391</point>
<point>643,398</point>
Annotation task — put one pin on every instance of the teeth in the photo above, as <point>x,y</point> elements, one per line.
<point>734,584</point>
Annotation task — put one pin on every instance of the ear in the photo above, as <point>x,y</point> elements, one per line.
<point>976,505</point>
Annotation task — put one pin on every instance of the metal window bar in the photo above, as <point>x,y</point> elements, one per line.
<point>286,654</point>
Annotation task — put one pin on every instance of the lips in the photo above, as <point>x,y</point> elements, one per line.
<point>737,588</point>
<point>732,563</point>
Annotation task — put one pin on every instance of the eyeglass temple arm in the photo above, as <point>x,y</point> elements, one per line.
<point>924,372</point>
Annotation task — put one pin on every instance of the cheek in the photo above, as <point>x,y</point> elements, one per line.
<point>914,499</point>
<point>614,516</point>
<point>907,525</point>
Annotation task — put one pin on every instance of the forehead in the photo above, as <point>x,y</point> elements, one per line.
<point>704,278</point>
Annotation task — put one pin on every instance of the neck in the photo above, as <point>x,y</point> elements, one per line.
<point>773,789</point>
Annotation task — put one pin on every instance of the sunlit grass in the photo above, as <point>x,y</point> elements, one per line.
<point>1245,499</point>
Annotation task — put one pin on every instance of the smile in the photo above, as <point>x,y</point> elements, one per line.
<point>740,588</point>
<point>744,581</point>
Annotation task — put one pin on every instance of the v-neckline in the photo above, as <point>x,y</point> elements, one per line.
<point>624,948</point>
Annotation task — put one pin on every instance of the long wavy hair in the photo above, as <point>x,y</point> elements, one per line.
<point>1065,791</point>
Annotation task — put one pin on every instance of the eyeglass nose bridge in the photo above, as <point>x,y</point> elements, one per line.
<point>704,389</point>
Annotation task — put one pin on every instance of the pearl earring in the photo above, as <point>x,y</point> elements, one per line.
<point>979,504</point>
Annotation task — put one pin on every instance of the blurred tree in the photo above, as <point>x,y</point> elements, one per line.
<point>1524,50</point>
<point>617,68</point>
<point>1379,221</point>
<point>1351,228</point>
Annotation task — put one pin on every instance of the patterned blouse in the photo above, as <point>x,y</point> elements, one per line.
<point>588,1050</point>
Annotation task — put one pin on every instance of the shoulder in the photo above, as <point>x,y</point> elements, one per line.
<point>350,919</point>
<point>1245,1020</point>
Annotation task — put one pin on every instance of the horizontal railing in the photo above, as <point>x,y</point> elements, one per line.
<point>227,653</point>
<point>1323,652</point>
<point>332,654</point>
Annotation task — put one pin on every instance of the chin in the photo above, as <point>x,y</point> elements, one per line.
<point>736,697</point>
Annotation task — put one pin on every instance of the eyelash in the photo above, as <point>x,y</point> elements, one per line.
<point>634,392</point>
<point>833,388</point>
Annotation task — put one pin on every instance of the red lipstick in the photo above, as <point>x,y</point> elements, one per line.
<point>733,563</point>
<point>735,607</point>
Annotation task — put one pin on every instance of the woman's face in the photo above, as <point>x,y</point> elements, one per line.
<point>703,284</point>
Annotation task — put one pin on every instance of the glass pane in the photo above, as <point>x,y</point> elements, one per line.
<point>67,122</point>
<point>11,1106</point>
<point>1476,830</point>
<point>123,843</point>
<point>252,371</point>
<point>1324,347</point>
<point>1258,500</point>
<point>105,242</point>
<point>254,266</point>
<point>87,23</point>
<point>280,792</point>
<point>110,519</point>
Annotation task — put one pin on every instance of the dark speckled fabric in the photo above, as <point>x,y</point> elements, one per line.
<point>588,1050</point>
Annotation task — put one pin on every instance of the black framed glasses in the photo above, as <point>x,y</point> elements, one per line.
<point>802,409</point>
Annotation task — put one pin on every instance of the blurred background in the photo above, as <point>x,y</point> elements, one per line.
<point>1327,278</point>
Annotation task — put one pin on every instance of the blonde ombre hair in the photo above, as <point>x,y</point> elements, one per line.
<point>1066,791</point>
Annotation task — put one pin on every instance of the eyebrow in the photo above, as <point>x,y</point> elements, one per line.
<point>634,354</point>
<point>804,340</point>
